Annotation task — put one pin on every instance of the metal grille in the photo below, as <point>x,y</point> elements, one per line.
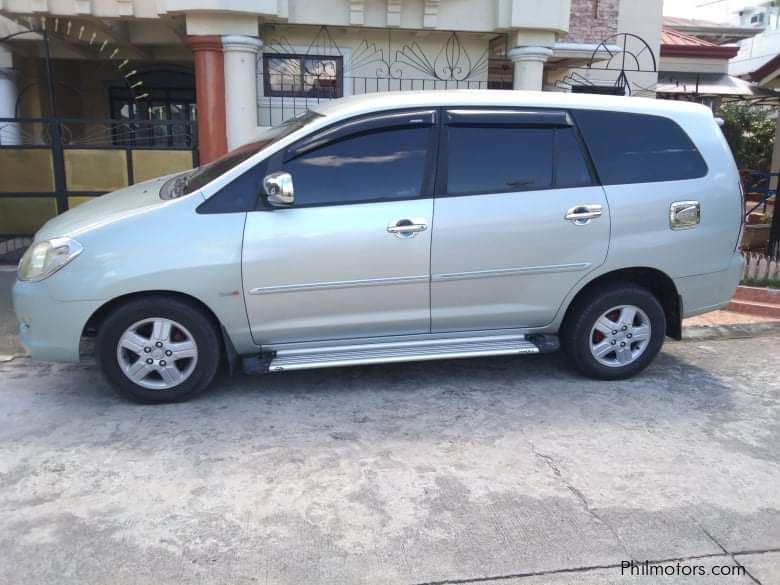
<point>283,105</point>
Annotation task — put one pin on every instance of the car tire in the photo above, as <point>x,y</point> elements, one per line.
<point>603,341</point>
<point>157,349</point>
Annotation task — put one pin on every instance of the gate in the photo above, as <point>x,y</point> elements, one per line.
<point>49,165</point>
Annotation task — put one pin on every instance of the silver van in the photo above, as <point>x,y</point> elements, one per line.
<point>396,227</point>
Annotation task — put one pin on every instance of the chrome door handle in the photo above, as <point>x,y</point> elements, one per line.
<point>407,228</point>
<point>582,214</point>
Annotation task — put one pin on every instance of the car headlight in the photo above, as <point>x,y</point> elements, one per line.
<point>43,259</point>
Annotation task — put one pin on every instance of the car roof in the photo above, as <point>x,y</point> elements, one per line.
<point>373,102</point>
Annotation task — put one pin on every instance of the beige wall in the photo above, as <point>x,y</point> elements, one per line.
<point>240,16</point>
<point>643,18</point>
<point>362,51</point>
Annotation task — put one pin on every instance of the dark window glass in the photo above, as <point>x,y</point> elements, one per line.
<point>241,194</point>
<point>389,164</point>
<point>571,170</point>
<point>303,76</point>
<point>638,148</point>
<point>498,159</point>
<point>172,109</point>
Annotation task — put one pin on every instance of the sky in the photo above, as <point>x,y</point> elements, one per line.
<point>716,10</point>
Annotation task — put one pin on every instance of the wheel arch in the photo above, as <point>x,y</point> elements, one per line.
<point>657,282</point>
<point>227,350</point>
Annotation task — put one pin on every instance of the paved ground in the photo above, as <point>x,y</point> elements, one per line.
<point>512,471</point>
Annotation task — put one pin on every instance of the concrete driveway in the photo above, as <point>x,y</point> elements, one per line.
<point>497,470</point>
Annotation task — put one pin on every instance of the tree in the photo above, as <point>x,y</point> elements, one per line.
<point>750,133</point>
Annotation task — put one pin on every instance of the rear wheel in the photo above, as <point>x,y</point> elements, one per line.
<point>158,350</point>
<point>614,332</point>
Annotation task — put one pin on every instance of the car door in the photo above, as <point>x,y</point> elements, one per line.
<point>350,257</point>
<point>519,220</point>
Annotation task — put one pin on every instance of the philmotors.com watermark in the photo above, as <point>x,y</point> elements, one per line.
<point>650,569</point>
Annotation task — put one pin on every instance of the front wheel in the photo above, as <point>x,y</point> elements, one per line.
<point>158,350</point>
<point>614,332</point>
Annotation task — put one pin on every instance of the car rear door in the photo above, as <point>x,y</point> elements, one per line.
<point>351,257</point>
<point>519,219</point>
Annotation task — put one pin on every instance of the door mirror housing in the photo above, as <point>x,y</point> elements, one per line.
<point>279,189</point>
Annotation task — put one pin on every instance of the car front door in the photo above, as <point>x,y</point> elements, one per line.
<point>519,220</point>
<point>350,257</point>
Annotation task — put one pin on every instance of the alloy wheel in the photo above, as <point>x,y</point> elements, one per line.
<point>620,336</point>
<point>157,353</point>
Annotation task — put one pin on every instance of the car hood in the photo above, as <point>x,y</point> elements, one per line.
<point>139,198</point>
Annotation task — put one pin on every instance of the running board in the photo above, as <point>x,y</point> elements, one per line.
<point>403,351</point>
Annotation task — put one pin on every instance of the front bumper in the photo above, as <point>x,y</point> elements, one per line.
<point>49,329</point>
<point>708,292</point>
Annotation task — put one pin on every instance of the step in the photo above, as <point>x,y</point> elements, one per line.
<point>377,353</point>
<point>757,294</point>
<point>768,310</point>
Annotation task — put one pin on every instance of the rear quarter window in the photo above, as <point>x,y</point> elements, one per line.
<point>638,148</point>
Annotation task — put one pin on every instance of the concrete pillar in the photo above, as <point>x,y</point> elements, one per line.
<point>529,66</point>
<point>209,95</point>
<point>9,131</point>
<point>241,87</point>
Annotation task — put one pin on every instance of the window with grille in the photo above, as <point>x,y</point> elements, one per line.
<point>311,76</point>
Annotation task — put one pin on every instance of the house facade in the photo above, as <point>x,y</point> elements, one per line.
<point>235,66</point>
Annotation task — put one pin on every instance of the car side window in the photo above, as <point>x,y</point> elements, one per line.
<point>571,168</point>
<point>496,159</point>
<point>638,148</point>
<point>378,165</point>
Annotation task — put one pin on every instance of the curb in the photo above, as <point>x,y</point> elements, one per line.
<point>743,331</point>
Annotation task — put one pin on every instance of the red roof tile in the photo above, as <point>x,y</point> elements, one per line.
<point>672,37</point>
<point>675,44</point>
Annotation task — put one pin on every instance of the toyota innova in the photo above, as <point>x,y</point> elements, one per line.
<point>397,227</point>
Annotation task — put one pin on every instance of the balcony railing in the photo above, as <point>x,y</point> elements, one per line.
<point>296,93</point>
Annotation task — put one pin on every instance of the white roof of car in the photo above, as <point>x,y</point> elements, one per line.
<point>371,102</point>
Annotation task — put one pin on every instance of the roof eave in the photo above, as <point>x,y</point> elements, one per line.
<point>699,51</point>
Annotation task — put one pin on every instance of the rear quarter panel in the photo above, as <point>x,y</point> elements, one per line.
<point>641,234</point>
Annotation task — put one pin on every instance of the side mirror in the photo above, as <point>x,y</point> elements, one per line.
<point>279,188</point>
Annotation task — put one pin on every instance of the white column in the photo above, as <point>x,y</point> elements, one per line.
<point>9,131</point>
<point>240,87</point>
<point>529,66</point>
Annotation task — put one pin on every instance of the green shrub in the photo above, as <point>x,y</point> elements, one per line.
<point>751,133</point>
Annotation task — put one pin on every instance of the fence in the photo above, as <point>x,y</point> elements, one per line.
<point>49,165</point>
<point>282,96</point>
<point>761,270</point>
<point>761,195</point>
<point>759,189</point>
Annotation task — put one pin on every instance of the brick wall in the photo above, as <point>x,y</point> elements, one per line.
<point>592,21</point>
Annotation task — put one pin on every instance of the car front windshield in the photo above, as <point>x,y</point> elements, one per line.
<point>190,181</point>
